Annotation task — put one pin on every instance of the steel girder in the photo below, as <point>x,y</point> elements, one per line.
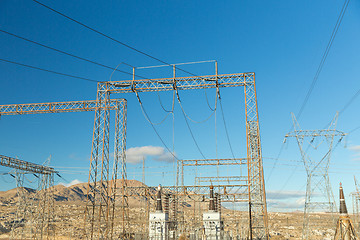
<point>228,192</point>
<point>211,162</point>
<point>25,166</point>
<point>53,107</point>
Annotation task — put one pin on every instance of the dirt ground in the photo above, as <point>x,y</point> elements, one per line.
<point>69,222</point>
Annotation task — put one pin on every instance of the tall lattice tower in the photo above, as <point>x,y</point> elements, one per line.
<point>319,195</point>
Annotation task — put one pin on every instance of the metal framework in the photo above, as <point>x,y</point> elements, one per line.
<point>213,162</point>
<point>228,179</point>
<point>228,192</point>
<point>97,207</point>
<point>97,184</point>
<point>54,107</point>
<point>25,166</point>
<point>318,182</point>
<point>356,206</point>
<point>41,216</point>
<point>99,212</point>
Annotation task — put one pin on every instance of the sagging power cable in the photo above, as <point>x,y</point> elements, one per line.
<point>191,132</point>
<point>153,126</point>
<point>226,130</point>
<point>68,54</point>
<point>320,67</point>
<point>111,38</point>
<point>50,71</point>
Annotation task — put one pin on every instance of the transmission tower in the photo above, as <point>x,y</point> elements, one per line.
<point>356,206</point>
<point>319,195</point>
<point>39,215</point>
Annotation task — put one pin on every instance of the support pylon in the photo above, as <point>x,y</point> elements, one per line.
<point>319,195</point>
<point>344,228</point>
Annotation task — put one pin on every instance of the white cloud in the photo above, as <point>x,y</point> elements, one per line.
<point>285,200</point>
<point>284,194</point>
<point>286,204</point>
<point>137,154</point>
<point>356,149</point>
<point>73,182</point>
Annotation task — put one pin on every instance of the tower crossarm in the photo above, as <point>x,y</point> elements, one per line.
<point>178,83</point>
<point>227,179</point>
<point>54,107</point>
<point>235,191</point>
<point>202,162</point>
<point>316,133</point>
<point>25,166</point>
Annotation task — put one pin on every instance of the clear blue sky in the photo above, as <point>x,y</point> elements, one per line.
<point>282,42</point>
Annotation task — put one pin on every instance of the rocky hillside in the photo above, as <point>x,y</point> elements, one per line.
<point>61,193</point>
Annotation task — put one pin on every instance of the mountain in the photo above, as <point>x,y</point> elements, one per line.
<point>61,193</point>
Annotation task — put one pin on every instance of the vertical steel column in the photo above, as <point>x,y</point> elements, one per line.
<point>97,206</point>
<point>44,213</point>
<point>120,160</point>
<point>257,198</point>
<point>16,233</point>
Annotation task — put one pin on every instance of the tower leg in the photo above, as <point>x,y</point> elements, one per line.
<point>257,199</point>
<point>97,209</point>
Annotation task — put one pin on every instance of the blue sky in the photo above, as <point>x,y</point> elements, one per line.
<point>282,42</point>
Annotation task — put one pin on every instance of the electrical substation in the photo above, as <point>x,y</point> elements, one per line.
<point>136,184</point>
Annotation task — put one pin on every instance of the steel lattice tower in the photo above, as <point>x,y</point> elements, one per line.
<point>38,209</point>
<point>356,205</point>
<point>318,183</point>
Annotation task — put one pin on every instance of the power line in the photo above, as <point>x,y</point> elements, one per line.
<point>68,54</point>
<point>111,38</point>
<point>191,133</point>
<point>319,69</point>
<point>323,59</point>
<point>226,130</point>
<point>50,71</point>
<point>152,125</point>
<point>350,102</point>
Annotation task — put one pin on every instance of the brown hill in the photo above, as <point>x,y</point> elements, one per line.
<point>61,193</point>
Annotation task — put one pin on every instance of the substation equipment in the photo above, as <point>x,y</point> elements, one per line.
<point>104,173</point>
<point>101,197</point>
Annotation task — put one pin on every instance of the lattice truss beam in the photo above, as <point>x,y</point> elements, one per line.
<point>25,166</point>
<point>213,162</point>
<point>228,192</point>
<point>98,214</point>
<point>54,107</point>
<point>228,179</point>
